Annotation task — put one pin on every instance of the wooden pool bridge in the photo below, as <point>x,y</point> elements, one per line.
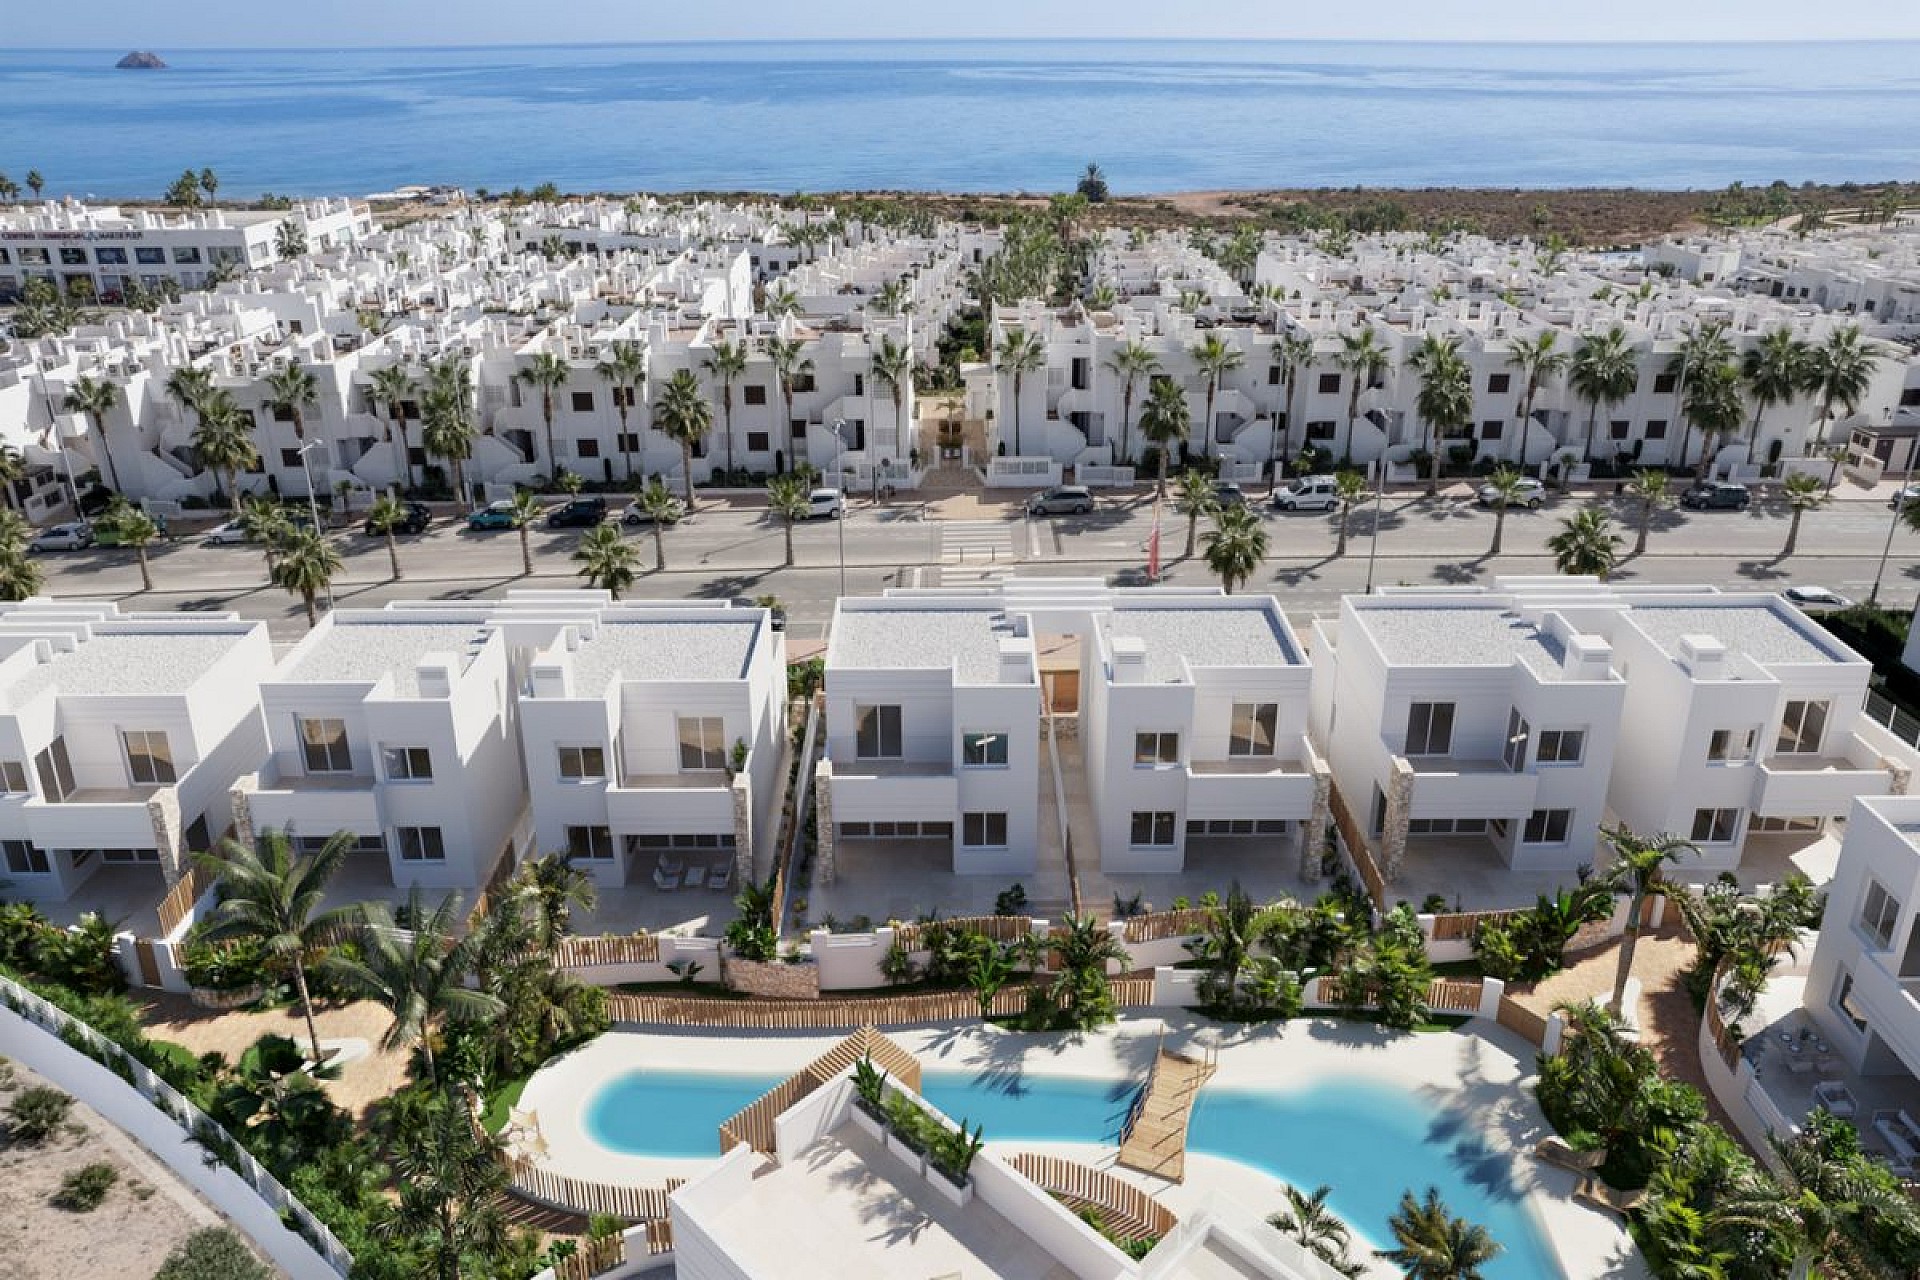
<point>1155,1138</point>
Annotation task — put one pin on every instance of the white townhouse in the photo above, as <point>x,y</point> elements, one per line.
<point>120,738</point>
<point>1863,981</point>
<point>395,725</point>
<point>653,734</point>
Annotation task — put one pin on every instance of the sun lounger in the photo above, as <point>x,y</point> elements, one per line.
<point>1555,1150</point>
<point>1835,1097</point>
<point>721,877</point>
<point>696,876</point>
<point>1898,1131</point>
<point>664,880</point>
<point>1599,1194</point>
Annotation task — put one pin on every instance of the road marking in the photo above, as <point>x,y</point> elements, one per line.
<point>973,541</point>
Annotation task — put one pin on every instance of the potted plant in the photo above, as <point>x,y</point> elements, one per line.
<point>950,1161</point>
<point>869,1099</point>
<point>906,1137</point>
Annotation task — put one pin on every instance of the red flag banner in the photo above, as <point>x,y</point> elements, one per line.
<point>1153,546</point>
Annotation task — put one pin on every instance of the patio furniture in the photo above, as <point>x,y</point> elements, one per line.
<point>1900,1133</point>
<point>695,877</point>
<point>664,880</point>
<point>1599,1194</point>
<point>1827,1065</point>
<point>1800,1065</point>
<point>721,877</point>
<point>1555,1150</point>
<point>1835,1097</point>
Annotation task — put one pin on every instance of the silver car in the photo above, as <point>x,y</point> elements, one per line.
<point>71,536</point>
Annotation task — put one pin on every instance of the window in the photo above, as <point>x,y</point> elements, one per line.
<point>1909,397</point>
<point>290,458</point>
<point>754,394</point>
<point>1619,427</point>
<point>1154,749</point>
<point>1256,726</point>
<point>149,758</point>
<point>803,382</point>
<point>23,859</point>
<point>580,401</point>
<point>186,253</point>
<point>1275,375</point>
<point>586,448</point>
<point>983,750</point>
<point>1561,746</point>
<point>129,857</point>
<point>758,442</point>
<point>983,830</point>
<point>73,257</point>
<point>1547,826</point>
<point>1518,731</point>
<point>55,770</point>
<point>421,844</point>
<point>111,257</point>
<point>35,258</point>
<point>1492,429</point>
<point>1802,729</point>
<point>1664,383</point>
<point>1730,746</point>
<point>590,844</point>
<point>1329,384</point>
<point>323,744</point>
<point>703,742</point>
<point>1715,826</point>
<point>1656,429</point>
<point>1499,383</point>
<point>1877,915</point>
<point>628,441</point>
<point>1429,728</point>
<point>876,733</point>
<point>1151,829</point>
<point>407,764</point>
<point>859,384</point>
<point>1845,1005</point>
<point>583,764</point>
<point>1320,430</point>
<point>13,778</point>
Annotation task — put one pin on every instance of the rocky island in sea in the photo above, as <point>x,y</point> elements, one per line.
<point>141,60</point>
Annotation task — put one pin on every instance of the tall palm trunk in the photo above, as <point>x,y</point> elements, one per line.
<point>146,574</point>
<point>1628,941</point>
<point>1526,415</point>
<point>789,532</point>
<point>1016,416</point>
<point>233,490</point>
<point>660,548</point>
<point>313,615</point>
<point>626,454</point>
<point>106,452</point>
<point>1126,424</point>
<point>726,410</point>
<point>306,1005</point>
<point>1793,533</point>
<point>686,472</point>
<point>1206,428</point>
<point>786,427</point>
<point>1353,413</point>
<point>1340,548</point>
<point>546,412</point>
<point>393,555</point>
<point>397,430</point>
<point>1753,432</point>
<point>526,553</point>
<point>1646,525</point>
<point>1499,528</point>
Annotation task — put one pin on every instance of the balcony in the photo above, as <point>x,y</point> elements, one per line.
<point>1891,1004</point>
<point>1446,787</point>
<point>1263,787</point>
<point>651,802</point>
<point>314,803</point>
<point>1792,786</point>
<point>94,818</point>
<point>866,790</point>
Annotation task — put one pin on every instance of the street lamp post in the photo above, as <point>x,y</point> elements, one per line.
<point>1893,527</point>
<point>840,516</point>
<point>313,504</point>
<point>66,459</point>
<point>1373,543</point>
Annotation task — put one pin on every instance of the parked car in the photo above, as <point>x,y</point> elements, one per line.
<point>1062,499</point>
<point>1904,495</point>
<point>578,513</point>
<point>495,515</point>
<point>1812,597</point>
<point>1227,494</point>
<point>830,503</point>
<point>1307,493</point>
<point>1710,496</point>
<point>415,519</point>
<point>71,536</point>
<point>108,534</point>
<point>636,513</point>
<point>222,535</point>
<point>1530,494</point>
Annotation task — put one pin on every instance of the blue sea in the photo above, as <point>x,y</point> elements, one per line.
<point>964,116</point>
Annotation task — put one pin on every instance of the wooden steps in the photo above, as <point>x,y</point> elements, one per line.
<point>1155,1141</point>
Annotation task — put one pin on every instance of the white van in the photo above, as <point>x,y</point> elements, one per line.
<point>1307,493</point>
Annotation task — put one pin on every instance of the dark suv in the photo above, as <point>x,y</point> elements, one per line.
<point>580,513</point>
<point>1716,497</point>
<point>414,518</point>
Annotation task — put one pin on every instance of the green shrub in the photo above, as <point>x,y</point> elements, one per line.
<point>35,1114</point>
<point>82,1190</point>
<point>212,1253</point>
<point>224,966</point>
<point>21,925</point>
<point>80,957</point>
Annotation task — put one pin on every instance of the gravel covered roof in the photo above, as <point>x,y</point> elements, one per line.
<point>1465,634</point>
<point>707,649</point>
<point>360,652</point>
<point>1758,631</point>
<point>132,663</point>
<point>1203,637</point>
<point>967,640</point>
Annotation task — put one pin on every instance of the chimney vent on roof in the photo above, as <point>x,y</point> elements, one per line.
<point>1129,660</point>
<point>1703,657</point>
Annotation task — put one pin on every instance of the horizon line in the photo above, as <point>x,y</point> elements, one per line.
<point>1713,42</point>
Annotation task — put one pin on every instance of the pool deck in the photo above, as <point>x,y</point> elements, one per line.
<point>1482,1071</point>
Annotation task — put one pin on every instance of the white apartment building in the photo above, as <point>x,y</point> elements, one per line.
<point>120,737</point>
<point>396,725</point>
<point>98,251</point>
<point>653,735</point>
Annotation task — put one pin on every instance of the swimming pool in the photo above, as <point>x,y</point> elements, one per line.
<point>1368,1141</point>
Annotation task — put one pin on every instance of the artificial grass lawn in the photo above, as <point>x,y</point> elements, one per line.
<point>500,1105</point>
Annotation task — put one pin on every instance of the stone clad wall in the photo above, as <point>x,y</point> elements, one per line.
<point>772,980</point>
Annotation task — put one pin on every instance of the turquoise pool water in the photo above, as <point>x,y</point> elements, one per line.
<point>1369,1142</point>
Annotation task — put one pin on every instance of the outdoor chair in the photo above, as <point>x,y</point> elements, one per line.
<point>664,880</point>
<point>1599,1194</point>
<point>721,877</point>
<point>1555,1150</point>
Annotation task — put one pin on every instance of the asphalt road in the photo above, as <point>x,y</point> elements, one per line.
<point>734,550</point>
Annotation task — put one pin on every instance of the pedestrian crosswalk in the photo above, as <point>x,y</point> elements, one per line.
<point>976,542</point>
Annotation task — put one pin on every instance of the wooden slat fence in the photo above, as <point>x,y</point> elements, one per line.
<point>1725,1042</point>
<point>997,928</point>
<point>1129,1213</point>
<point>592,1258</point>
<point>633,1204</point>
<point>1354,836</point>
<point>180,899</point>
<point>612,948</point>
<point>1459,926</point>
<point>752,1126</point>
<point>1169,924</point>
<point>840,1015</point>
<point>1522,1021</point>
<point>1448,995</point>
<point>659,1237</point>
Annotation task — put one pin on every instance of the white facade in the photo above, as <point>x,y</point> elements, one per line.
<point>120,737</point>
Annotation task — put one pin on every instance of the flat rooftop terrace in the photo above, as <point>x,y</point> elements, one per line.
<point>1463,634</point>
<point>965,639</point>
<point>1765,634</point>
<point>1180,639</point>
<point>362,651</point>
<point>664,649</point>
<point>133,663</point>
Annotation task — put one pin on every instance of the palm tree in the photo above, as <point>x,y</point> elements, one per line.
<point>446,432</point>
<point>189,386</point>
<point>624,370</point>
<point>307,566</point>
<point>1236,545</point>
<point>1195,499</point>
<point>451,1179</point>
<point>384,517</point>
<point>1319,1229</point>
<point>893,365</point>
<point>553,887</point>
<point>607,560</point>
<point>274,895</point>
<point>13,469</point>
<point>1212,356</point>
<point>1350,487</point>
<point>1164,422</point>
<point>525,510</point>
<point>9,189</point>
<point>1131,361</point>
<point>1362,359</point>
<point>1841,371</point>
<point>1445,402</point>
<point>728,362</point>
<point>1294,354</point>
<point>783,301</point>
<point>1803,493</point>
<point>1637,863</point>
<point>1776,369</point>
<point>393,386</point>
<point>790,364</point>
<point>35,182</point>
<point>787,501</point>
<point>96,398</point>
<point>266,523</point>
<point>1603,372</point>
<point>548,372</point>
<point>1704,350</point>
<point>1653,489</point>
<point>1505,483</point>
<point>223,440</point>
<point>683,415</point>
<point>1714,405</point>
<point>136,529</point>
<point>1435,1245</point>
<point>890,297</point>
<point>21,577</point>
<point>662,509</point>
<point>418,973</point>
<point>292,391</point>
<point>1825,1209</point>
<point>1086,947</point>
<point>1539,358</point>
<point>1586,544</point>
<point>1023,354</point>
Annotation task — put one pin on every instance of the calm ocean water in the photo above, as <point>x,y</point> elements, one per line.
<point>982,116</point>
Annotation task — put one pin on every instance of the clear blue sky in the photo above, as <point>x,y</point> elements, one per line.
<point>182,24</point>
